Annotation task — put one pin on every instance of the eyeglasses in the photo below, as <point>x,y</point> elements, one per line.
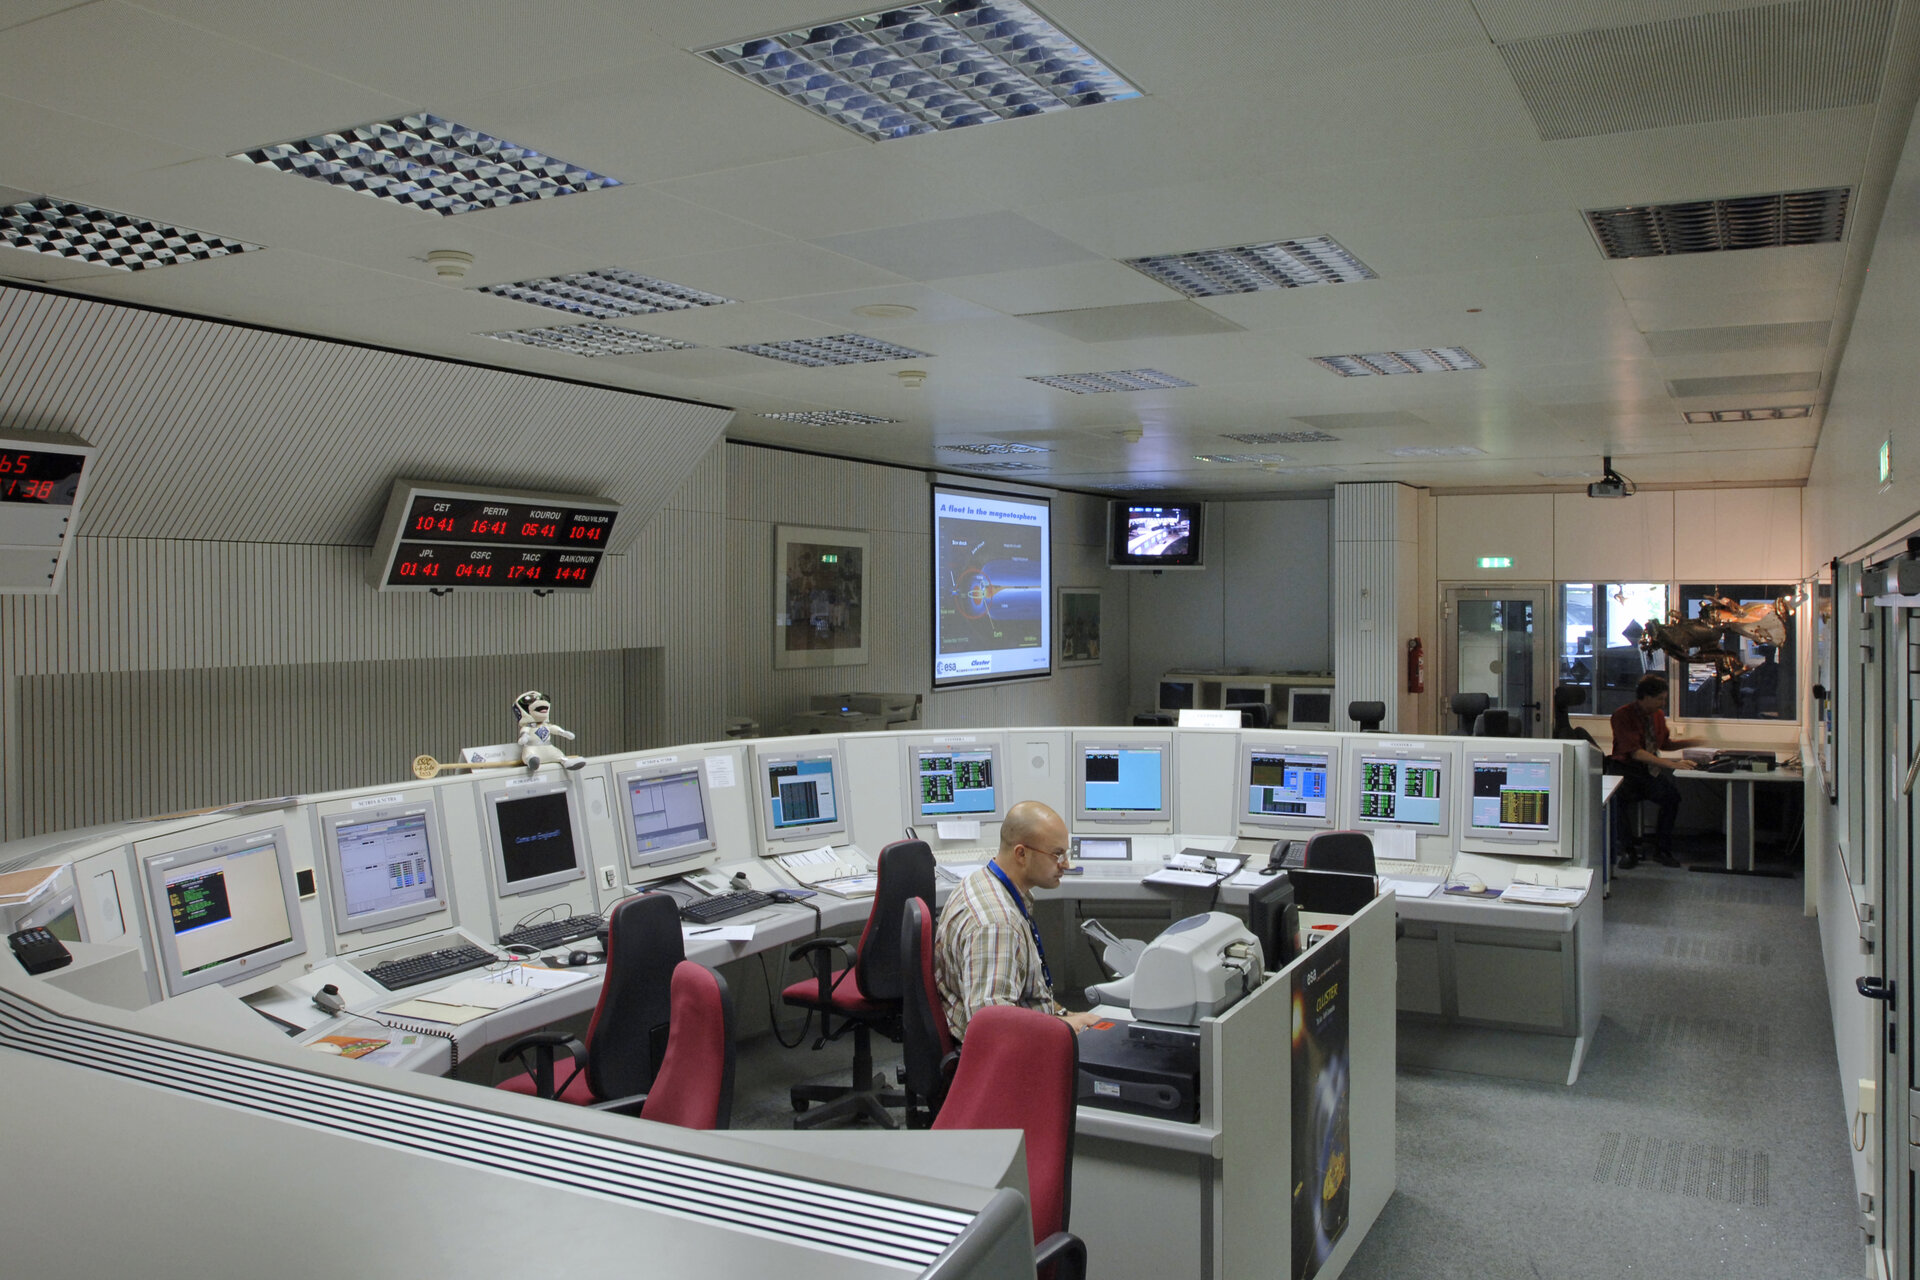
<point>1060,857</point>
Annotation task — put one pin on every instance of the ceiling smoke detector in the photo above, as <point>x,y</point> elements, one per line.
<point>449,264</point>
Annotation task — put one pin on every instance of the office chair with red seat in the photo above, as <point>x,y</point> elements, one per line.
<point>1019,1069</point>
<point>866,994</point>
<point>928,1044</point>
<point>1339,851</point>
<point>694,1088</point>
<point>627,1039</point>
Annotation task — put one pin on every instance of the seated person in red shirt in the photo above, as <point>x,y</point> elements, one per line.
<point>1639,734</point>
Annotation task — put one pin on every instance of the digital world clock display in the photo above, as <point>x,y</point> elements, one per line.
<point>450,537</point>
<point>42,476</point>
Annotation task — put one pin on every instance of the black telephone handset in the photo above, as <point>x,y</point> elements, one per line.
<point>1276,859</point>
<point>38,951</point>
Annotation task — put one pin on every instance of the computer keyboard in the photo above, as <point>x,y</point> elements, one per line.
<point>964,857</point>
<point>726,906</point>
<point>551,933</point>
<point>1413,870</point>
<point>412,970</point>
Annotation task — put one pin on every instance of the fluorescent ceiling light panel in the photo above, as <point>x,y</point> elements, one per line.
<point>606,294</point>
<point>831,418</point>
<point>1238,457</point>
<point>1279,437</point>
<point>1281,264</point>
<point>1713,226</point>
<point>998,466</point>
<point>1425,360</point>
<point>425,162</point>
<point>995,446</point>
<point>926,68</point>
<point>1437,451</point>
<point>818,353</point>
<point>592,340</point>
<point>1118,380</point>
<point>1699,416</point>
<point>108,238</point>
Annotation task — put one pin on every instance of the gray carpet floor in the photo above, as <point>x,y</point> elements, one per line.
<point>1705,1138</point>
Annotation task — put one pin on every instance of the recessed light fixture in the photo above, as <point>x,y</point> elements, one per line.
<point>1424,360</point>
<point>1437,451</point>
<point>1279,437</point>
<point>831,418</point>
<point>1250,268</point>
<point>926,68</point>
<point>1712,226</point>
<point>1699,416</point>
<point>1262,458</point>
<point>592,340</point>
<point>605,294</point>
<point>425,162</point>
<point>1308,471</point>
<point>995,446</point>
<point>844,348</point>
<point>998,466</point>
<point>1118,380</point>
<point>884,310</point>
<point>107,237</point>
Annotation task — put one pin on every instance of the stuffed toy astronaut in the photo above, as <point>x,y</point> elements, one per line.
<point>537,733</point>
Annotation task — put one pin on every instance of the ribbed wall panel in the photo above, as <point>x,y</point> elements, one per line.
<point>118,745</point>
<point>213,432</point>
<point>1369,560</point>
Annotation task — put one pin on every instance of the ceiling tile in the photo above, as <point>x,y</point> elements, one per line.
<point>1131,323</point>
<point>782,270</point>
<point>1082,284</point>
<point>1751,384</point>
<point>52,152</point>
<point>974,245</point>
<point>1740,337</point>
<point>930,306</point>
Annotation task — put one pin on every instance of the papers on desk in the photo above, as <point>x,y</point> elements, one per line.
<point>1409,888</point>
<point>1251,879</point>
<point>1542,895</point>
<point>461,1002</point>
<point>1190,871</point>
<point>716,932</point>
<point>536,978</point>
<point>825,863</point>
<point>864,885</point>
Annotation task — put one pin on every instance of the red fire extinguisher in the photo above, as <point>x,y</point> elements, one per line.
<point>1416,666</point>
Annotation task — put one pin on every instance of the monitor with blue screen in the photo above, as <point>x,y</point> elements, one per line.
<point>1123,781</point>
<point>802,795</point>
<point>1287,785</point>
<point>1512,801</point>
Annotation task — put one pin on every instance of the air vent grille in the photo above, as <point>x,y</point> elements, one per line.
<point>996,446</point>
<point>1713,226</point>
<point>830,418</point>
<point>998,466</point>
<point>592,340</point>
<point>843,348</point>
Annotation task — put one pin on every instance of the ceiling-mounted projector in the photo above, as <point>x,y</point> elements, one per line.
<point>1611,483</point>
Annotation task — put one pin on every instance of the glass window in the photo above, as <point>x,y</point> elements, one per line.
<point>1600,628</point>
<point>1756,681</point>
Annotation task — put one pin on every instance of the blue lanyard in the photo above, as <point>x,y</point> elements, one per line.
<point>1020,902</point>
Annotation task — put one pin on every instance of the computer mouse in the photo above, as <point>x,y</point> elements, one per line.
<point>577,958</point>
<point>1469,884</point>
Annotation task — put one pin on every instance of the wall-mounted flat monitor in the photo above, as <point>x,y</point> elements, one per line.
<point>384,865</point>
<point>1154,535</point>
<point>225,911</point>
<point>955,779</point>
<point>1177,695</point>
<point>1400,784</point>
<point>665,816</point>
<point>1511,802</point>
<point>803,795</point>
<point>532,836</point>
<point>1286,786</point>
<point>1310,709</point>
<point>1126,780</point>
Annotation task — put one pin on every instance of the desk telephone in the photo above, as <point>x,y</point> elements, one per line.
<point>1286,855</point>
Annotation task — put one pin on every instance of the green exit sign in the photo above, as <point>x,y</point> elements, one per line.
<point>1886,461</point>
<point>829,559</point>
<point>1496,562</point>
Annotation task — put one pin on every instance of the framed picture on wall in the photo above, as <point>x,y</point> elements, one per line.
<point>1079,626</point>
<point>819,597</point>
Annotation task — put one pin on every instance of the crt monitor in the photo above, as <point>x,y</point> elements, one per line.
<point>666,818</point>
<point>225,911</point>
<point>1287,786</point>
<point>803,795</point>
<point>1310,708</point>
<point>1177,695</point>
<point>1123,781</point>
<point>955,780</point>
<point>383,865</point>
<point>1400,785</point>
<point>1235,694</point>
<point>531,835</point>
<point>1512,802</point>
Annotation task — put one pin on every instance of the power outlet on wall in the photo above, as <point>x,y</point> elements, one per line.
<point>609,877</point>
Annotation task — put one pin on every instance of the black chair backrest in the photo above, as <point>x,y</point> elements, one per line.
<point>1340,851</point>
<point>1369,714</point>
<point>906,871</point>
<point>921,1021</point>
<point>1495,722</point>
<point>1253,715</point>
<point>1565,697</point>
<point>629,1035</point>
<point>1468,707</point>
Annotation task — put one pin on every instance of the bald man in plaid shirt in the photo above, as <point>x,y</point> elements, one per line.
<point>988,948</point>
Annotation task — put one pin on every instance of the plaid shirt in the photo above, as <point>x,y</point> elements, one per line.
<point>984,954</point>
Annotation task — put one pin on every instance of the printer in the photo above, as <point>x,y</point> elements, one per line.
<point>856,712</point>
<point>1196,968</point>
